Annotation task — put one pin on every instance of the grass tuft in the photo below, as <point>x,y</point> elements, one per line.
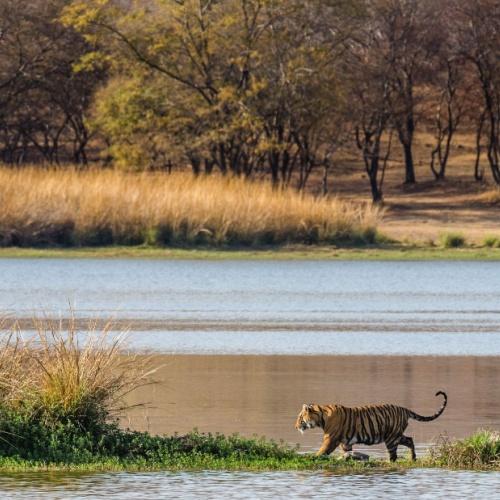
<point>491,241</point>
<point>491,197</point>
<point>479,451</point>
<point>452,240</point>
<point>62,376</point>
<point>67,207</point>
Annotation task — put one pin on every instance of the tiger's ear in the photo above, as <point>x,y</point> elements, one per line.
<point>306,407</point>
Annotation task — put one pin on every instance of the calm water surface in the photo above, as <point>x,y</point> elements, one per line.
<point>265,307</point>
<point>253,340</point>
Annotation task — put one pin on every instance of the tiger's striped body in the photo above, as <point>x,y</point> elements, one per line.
<point>368,425</point>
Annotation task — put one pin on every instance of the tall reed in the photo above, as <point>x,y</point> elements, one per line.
<point>101,207</point>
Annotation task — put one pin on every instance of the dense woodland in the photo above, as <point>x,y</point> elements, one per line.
<point>249,87</point>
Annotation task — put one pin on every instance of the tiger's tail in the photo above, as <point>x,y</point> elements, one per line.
<point>420,418</point>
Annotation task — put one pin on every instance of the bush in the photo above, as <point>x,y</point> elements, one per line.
<point>491,242</point>
<point>481,450</point>
<point>452,240</point>
<point>60,375</point>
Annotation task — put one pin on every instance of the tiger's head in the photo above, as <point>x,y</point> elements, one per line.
<point>310,417</point>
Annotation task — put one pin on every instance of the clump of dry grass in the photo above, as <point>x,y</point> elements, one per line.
<point>491,196</point>
<point>58,373</point>
<point>102,207</point>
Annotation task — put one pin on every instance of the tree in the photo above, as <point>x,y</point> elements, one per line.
<point>43,100</point>
<point>479,38</point>
<point>451,107</point>
<point>411,41</point>
<point>235,80</point>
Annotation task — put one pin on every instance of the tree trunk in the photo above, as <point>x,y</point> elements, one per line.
<point>409,166</point>
<point>478,172</point>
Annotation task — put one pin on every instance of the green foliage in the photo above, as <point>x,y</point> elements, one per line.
<point>28,443</point>
<point>481,450</point>
<point>452,240</point>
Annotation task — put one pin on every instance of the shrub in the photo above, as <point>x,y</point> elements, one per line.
<point>452,240</point>
<point>491,242</point>
<point>61,375</point>
<point>481,450</point>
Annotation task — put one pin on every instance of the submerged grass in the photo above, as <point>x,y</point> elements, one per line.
<point>67,207</point>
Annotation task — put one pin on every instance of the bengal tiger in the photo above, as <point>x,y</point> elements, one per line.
<point>364,425</point>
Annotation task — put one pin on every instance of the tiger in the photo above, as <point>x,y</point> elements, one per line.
<point>368,425</point>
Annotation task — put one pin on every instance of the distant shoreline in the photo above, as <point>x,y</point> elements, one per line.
<point>384,253</point>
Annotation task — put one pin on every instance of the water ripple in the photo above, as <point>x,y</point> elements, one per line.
<point>421,483</point>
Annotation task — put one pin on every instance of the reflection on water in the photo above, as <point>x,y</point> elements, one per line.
<point>307,342</point>
<point>418,483</point>
<point>263,394</point>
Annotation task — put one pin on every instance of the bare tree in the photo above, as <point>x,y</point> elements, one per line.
<point>479,39</point>
<point>409,30</point>
<point>449,113</point>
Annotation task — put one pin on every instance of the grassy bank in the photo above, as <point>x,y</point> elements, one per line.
<point>392,253</point>
<point>67,207</point>
<point>68,448</point>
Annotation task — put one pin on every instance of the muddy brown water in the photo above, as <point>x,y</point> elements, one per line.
<point>262,394</point>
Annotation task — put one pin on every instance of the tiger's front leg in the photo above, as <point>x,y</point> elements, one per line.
<point>328,445</point>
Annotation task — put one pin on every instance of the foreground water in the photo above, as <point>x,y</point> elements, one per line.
<point>419,483</point>
<point>243,344</point>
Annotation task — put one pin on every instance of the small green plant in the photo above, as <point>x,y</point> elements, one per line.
<point>491,241</point>
<point>452,240</point>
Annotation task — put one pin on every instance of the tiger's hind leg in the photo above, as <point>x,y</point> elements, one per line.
<point>346,448</point>
<point>408,442</point>
<point>392,448</point>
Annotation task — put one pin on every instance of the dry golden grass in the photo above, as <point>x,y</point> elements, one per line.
<point>59,372</point>
<point>492,196</point>
<point>99,207</point>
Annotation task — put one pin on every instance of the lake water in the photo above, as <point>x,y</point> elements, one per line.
<point>421,483</point>
<point>243,344</point>
<point>265,307</point>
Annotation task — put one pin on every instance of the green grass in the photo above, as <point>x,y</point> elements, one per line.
<point>28,444</point>
<point>386,253</point>
<point>479,451</point>
<point>67,448</point>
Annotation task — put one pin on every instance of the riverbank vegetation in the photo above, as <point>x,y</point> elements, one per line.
<point>68,207</point>
<point>61,391</point>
